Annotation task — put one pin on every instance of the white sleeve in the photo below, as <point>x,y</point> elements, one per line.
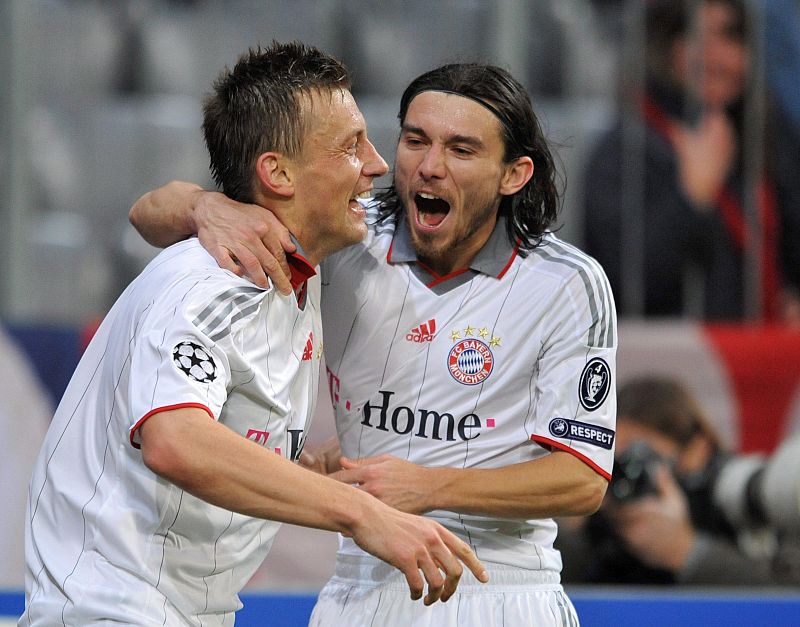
<point>576,387</point>
<point>182,351</point>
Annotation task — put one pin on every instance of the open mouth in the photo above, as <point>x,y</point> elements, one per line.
<point>431,210</point>
<point>363,197</point>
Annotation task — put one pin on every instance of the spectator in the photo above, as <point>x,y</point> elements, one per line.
<point>698,174</point>
<point>660,524</point>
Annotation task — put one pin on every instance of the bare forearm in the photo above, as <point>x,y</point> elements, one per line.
<point>556,485</point>
<point>222,468</point>
<point>165,215</point>
<point>219,466</point>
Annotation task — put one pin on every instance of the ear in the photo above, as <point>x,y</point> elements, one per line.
<point>516,176</point>
<point>275,174</point>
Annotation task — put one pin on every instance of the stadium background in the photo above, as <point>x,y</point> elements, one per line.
<point>100,102</point>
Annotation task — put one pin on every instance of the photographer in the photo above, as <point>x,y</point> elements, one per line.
<point>661,522</point>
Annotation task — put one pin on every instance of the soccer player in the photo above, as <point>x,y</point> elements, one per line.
<point>169,460</point>
<point>470,351</point>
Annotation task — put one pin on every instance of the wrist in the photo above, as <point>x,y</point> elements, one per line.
<point>355,512</point>
<point>440,488</point>
<point>194,216</point>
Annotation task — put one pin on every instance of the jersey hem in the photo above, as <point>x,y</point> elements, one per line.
<point>158,410</point>
<point>563,447</point>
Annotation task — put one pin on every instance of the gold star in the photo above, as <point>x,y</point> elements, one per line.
<point>455,335</point>
<point>469,331</point>
<point>495,341</point>
<point>484,332</point>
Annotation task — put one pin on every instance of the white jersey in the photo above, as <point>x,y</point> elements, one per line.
<point>109,539</point>
<point>492,366</point>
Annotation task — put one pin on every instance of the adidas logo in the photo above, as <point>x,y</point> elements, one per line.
<point>308,353</point>
<point>422,333</point>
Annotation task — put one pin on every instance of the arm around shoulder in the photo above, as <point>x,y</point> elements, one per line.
<point>165,215</point>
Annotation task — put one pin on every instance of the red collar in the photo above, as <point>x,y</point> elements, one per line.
<point>301,270</point>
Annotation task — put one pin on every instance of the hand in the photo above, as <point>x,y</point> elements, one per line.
<point>705,156</point>
<point>245,239</point>
<point>396,482</point>
<point>413,544</point>
<point>324,459</point>
<point>657,529</point>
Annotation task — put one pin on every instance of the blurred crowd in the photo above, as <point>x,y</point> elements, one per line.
<point>693,198</point>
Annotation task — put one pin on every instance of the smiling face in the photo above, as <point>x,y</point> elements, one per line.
<point>337,164</point>
<point>450,177</point>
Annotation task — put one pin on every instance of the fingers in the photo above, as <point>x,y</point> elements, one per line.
<point>286,242</point>
<point>348,463</point>
<point>464,552</point>
<point>415,583</point>
<point>227,260</point>
<point>434,577</point>
<point>353,477</point>
<point>273,263</point>
<point>307,460</point>
<point>453,571</point>
<point>252,267</point>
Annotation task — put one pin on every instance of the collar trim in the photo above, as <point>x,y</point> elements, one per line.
<point>300,269</point>
<point>494,259</point>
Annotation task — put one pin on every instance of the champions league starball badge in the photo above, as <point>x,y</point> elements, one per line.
<point>194,361</point>
<point>594,384</point>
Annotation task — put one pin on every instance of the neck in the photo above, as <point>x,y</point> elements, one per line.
<point>284,212</point>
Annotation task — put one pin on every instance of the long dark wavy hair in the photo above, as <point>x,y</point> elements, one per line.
<point>535,207</point>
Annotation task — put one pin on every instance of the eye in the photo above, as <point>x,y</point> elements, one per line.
<point>462,152</point>
<point>413,142</point>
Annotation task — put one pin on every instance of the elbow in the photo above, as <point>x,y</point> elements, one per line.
<point>134,215</point>
<point>163,453</point>
<point>592,492</point>
<point>160,458</point>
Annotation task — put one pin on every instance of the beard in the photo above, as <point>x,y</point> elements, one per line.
<point>436,251</point>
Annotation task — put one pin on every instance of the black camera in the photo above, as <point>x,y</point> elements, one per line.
<point>634,473</point>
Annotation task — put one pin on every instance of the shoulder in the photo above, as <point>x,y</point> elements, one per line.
<point>582,283</point>
<point>184,277</point>
<point>565,259</point>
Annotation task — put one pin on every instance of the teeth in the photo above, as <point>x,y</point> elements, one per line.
<point>363,195</point>
<point>428,196</point>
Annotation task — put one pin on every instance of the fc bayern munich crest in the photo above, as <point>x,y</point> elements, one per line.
<point>470,362</point>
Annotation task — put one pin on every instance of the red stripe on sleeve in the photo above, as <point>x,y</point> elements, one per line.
<point>547,442</point>
<point>158,410</point>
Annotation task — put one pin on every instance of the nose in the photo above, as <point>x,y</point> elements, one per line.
<point>374,164</point>
<point>432,165</point>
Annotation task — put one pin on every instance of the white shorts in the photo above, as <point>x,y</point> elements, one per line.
<point>365,593</point>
